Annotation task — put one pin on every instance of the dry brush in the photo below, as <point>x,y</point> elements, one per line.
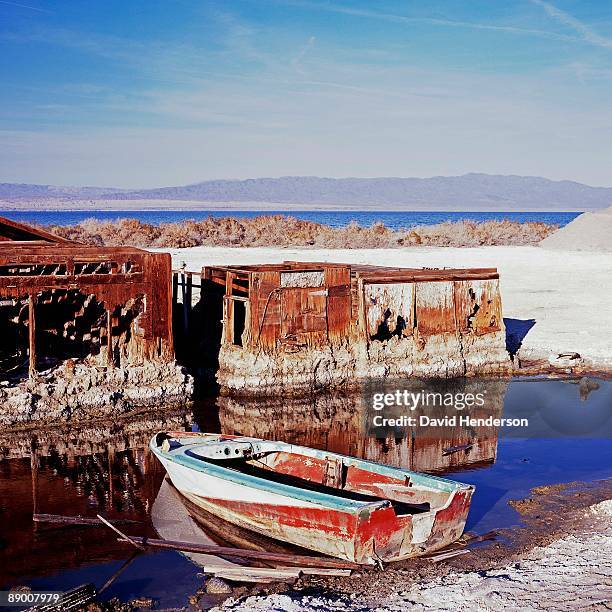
<point>288,231</point>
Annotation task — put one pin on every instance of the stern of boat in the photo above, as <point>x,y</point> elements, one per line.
<point>382,535</point>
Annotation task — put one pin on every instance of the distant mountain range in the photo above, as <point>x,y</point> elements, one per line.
<point>467,192</point>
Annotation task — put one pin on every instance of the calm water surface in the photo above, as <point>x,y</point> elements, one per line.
<point>392,219</point>
<point>84,470</point>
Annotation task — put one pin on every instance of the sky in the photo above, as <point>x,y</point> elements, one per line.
<point>145,93</point>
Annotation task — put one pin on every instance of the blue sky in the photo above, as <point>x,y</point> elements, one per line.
<point>139,93</point>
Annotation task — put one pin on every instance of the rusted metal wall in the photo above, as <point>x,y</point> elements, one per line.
<point>478,305</point>
<point>312,304</point>
<point>116,277</point>
<point>435,308</point>
<point>431,307</point>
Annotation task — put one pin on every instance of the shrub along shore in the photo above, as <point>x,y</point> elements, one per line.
<point>287,231</point>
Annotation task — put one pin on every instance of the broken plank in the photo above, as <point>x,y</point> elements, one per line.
<point>325,571</point>
<point>59,519</point>
<point>74,599</point>
<point>275,571</point>
<point>238,573</point>
<point>124,537</point>
<point>301,560</point>
<point>448,555</point>
<point>252,578</point>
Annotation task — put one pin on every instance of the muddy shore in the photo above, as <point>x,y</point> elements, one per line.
<point>559,558</point>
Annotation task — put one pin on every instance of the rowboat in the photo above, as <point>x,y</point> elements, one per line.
<point>341,506</point>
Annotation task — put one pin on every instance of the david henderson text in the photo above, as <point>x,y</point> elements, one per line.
<point>448,421</point>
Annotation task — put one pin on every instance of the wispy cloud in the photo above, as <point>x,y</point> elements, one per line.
<point>396,18</point>
<point>581,28</point>
<point>25,6</point>
<point>296,62</point>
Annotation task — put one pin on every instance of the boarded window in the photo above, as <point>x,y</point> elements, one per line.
<point>303,311</point>
<point>302,279</point>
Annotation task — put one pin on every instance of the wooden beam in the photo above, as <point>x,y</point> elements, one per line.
<point>34,473</point>
<point>58,519</point>
<point>125,538</point>
<point>32,334</point>
<point>301,560</point>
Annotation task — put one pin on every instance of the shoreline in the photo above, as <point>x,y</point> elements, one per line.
<point>151,204</point>
<point>564,538</point>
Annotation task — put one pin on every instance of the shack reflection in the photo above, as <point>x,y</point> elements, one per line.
<point>75,470</point>
<point>344,424</point>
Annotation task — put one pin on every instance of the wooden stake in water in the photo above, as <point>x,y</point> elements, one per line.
<point>118,531</point>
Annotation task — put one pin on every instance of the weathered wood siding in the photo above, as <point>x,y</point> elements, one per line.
<point>119,278</point>
<point>478,305</point>
<point>435,308</point>
<point>339,302</point>
<point>265,309</point>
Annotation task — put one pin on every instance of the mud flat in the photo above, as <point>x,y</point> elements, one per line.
<point>555,305</point>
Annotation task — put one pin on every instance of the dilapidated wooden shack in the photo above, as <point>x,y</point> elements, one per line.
<point>302,325</point>
<point>60,299</point>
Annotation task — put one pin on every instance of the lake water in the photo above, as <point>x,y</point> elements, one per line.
<point>392,219</point>
<point>106,468</point>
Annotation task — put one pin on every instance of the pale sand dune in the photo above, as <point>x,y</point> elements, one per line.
<point>568,294</point>
<point>588,232</point>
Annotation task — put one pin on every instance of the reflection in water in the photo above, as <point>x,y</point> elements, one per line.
<point>173,521</point>
<point>174,517</point>
<point>344,424</point>
<point>87,468</point>
<point>75,470</point>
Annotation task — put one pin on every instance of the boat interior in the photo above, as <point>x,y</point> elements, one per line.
<point>255,468</point>
<point>330,474</point>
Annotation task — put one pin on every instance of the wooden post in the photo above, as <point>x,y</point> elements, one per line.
<point>228,315</point>
<point>188,296</point>
<point>34,474</point>
<point>111,460</point>
<point>32,334</point>
<point>109,337</point>
<point>174,288</point>
<point>184,296</point>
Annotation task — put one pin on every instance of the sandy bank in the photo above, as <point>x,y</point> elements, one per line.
<point>588,232</point>
<point>567,295</point>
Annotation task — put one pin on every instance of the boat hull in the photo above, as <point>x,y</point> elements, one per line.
<point>356,532</point>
